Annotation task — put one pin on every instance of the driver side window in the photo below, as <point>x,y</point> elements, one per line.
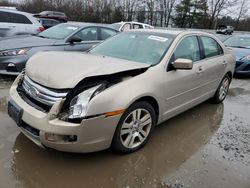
<point>88,34</point>
<point>188,48</point>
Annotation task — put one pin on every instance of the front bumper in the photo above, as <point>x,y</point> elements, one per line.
<point>92,134</point>
<point>242,68</point>
<point>18,64</point>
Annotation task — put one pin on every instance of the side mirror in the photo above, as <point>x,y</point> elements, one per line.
<point>181,63</point>
<point>74,39</point>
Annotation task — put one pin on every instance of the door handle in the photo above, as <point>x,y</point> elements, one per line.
<point>224,63</point>
<point>12,26</point>
<point>200,70</point>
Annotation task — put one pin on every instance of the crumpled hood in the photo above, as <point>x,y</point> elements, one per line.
<point>64,70</point>
<point>240,52</point>
<point>24,41</point>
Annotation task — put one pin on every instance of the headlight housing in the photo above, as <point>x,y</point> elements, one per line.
<point>246,58</point>
<point>14,52</point>
<point>79,104</point>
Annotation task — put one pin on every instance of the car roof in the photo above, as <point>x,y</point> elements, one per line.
<point>15,11</point>
<point>86,24</point>
<point>168,31</point>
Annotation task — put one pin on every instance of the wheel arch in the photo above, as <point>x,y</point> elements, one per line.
<point>151,100</point>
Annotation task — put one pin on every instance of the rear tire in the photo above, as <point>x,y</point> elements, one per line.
<point>134,128</point>
<point>222,90</point>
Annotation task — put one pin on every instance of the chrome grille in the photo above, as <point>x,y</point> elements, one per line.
<point>40,93</point>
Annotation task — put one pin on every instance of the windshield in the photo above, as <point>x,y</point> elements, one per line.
<point>60,31</point>
<point>238,41</point>
<point>116,26</point>
<point>136,46</point>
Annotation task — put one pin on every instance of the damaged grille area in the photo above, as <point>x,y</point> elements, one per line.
<point>38,96</point>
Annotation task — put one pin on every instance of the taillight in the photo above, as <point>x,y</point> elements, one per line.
<point>41,29</point>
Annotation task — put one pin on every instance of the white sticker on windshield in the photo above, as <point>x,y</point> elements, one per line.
<point>72,28</point>
<point>161,39</point>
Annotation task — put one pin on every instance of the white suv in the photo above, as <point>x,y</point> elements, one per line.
<point>13,22</point>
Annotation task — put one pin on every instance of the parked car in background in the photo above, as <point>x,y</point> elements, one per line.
<point>124,26</point>
<point>71,36</point>
<point>225,29</point>
<point>60,16</point>
<point>240,45</point>
<point>14,22</point>
<point>114,95</point>
<point>47,23</point>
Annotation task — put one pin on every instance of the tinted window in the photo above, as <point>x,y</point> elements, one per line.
<point>137,26</point>
<point>18,18</point>
<point>88,34</point>
<point>106,33</point>
<point>211,47</point>
<point>5,17</point>
<point>188,48</point>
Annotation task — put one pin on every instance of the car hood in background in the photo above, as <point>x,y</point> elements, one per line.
<point>64,70</point>
<point>240,52</point>
<point>24,41</point>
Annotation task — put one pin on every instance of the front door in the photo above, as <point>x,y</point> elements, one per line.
<point>89,38</point>
<point>182,88</point>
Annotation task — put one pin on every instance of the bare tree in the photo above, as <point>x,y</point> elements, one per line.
<point>169,6</point>
<point>244,7</point>
<point>216,6</point>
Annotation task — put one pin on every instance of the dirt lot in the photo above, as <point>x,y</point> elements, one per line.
<point>207,146</point>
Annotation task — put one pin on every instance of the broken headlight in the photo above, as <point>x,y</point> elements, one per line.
<point>78,105</point>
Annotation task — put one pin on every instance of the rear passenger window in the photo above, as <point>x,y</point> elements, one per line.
<point>211,47</point>
<point>106,33</point>
<point>18,18</point>
<point>88,34</point>
<point>137,26</point>
<point>4,17</point>
<point>188,48</point>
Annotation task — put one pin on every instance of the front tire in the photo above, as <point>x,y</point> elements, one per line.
<point>222,90</point>
<point>134,128</point>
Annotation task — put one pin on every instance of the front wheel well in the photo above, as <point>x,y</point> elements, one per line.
<point>153,102</point>
<point>230,75</point>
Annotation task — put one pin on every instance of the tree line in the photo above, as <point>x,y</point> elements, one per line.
<point>205,14</point>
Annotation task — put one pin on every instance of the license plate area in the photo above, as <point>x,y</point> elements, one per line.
<point>15,112</point>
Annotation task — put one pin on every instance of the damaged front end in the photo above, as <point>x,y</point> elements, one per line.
<point>70,105</point>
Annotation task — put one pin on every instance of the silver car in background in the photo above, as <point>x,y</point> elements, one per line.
<point>114,95</point>
<point>13,22</point>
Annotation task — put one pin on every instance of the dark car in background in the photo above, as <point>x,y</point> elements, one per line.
<point>47,23</point>
<point>240,45</point>
<point>71,36</point>
<point>60,16</point>
<point>225,29</point>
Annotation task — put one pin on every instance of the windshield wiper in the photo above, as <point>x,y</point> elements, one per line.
<point>41,36</point>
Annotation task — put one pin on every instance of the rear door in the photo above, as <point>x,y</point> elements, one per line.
<point>213,64</point>
<point>20,24</point>
<point>183,88</point>
<point>105,33</point>
<point>5,24</point>
<point>89,37</point>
